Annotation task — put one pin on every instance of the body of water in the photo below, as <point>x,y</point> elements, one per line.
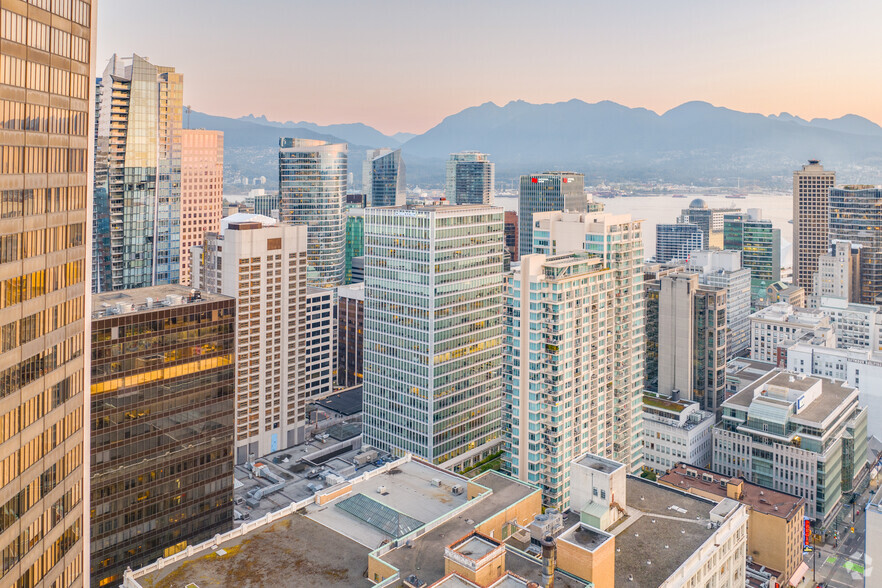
<point>777,208</point>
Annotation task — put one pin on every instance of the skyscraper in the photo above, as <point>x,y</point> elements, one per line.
<point>760,246</point>
<point>139,110</point>
<point>350,334</point>
<point>383,178</point>
<point>549,191</point>
<point>618,240</point>
<point>723,269</point>
<point>811,186</point>
<point>163,395</point>
<point>559,402</point>
<point>312,189</point>
<point>354,239</point>
<point>263,264</point>
<point>677,241</point>
<point>202,189</point>
<point>470,178</point>
<point>709,220</point>
<point>46,77</point>
<point>856,216</point>
<point>511,234</point>
<point>433,331</point>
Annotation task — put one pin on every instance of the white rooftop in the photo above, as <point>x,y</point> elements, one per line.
<point>245,217</point>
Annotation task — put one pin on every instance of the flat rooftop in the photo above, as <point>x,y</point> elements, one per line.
<point>475,547</point>
<point>833,394</point>
<point>120,302</point>
<point>348,402</point>
<point>599,463</point>
<point>426,558</point>
<point>584,536</point>
<point>407,489</point>
<point>291,553</point>
<point>764,500</point>
<point>662,529</point>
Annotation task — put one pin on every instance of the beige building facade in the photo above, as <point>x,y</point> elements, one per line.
<point>811,186</point>
<point>202,188</point>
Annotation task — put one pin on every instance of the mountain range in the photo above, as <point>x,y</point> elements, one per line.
<point>694,142</point>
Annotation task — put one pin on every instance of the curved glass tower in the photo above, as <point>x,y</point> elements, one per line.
<point>312,191</point>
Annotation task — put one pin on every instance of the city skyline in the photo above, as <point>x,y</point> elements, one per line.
<point>722,54</point>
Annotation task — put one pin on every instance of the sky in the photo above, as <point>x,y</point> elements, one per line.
<point>405,65</point>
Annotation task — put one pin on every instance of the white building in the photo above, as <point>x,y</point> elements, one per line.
<point>675,431</point>
<point>803,435</point>
<point>433,331</point>
<point>838,274</point>
<point>856,325</point>
<point>723,269</point>
<point>857,367</point>
<point>559,354</point>
<point>618,240</point>
<point>780,324</point>
<point>263,265</point>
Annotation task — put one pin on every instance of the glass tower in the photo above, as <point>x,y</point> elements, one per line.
<point>433,331</point>
<point>312,190</point>
<point>760,246</point>
<point>470,178</point>
<point>354,238</point>
<point>856,216</point>
<point>545,192</point>
<point>677,241</point>
<point>46,80</point>
<point>383,178</point>
<point>137,175</point>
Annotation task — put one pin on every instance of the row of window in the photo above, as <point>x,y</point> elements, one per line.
<point>32,243</point>
<point>25,330</point>
<point>19,29</point>
<point>40,77</point>
<point>16,203</point>
<point>76,10</point>
<point>18,116</point>
<point>16,159</point>
<point>41,282</point>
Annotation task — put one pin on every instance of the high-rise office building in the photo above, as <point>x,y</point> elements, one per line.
<point>433,331</point>
<point>811,214</point>
<point>856,216</point>
<point>760,246</point>
<point>312,188</point>
<point>202,189</point>
<point>470,178</point>
<point>691,339</point>
<point>511,234</point>
<point>559,401</point>
<point>354,239</point>
<point>677,241</point>
<point>545,192</point>
<point>139,109</point>
<point>838,275</point>
<point>350,334</point>
<point>618,240</point>
<point>709,220</point>
<point>163,393</point>
<point>722,269</point>
<point>259,202</point>
<point>46,77</point>
<point>263,264</point>
<point>383,178</point>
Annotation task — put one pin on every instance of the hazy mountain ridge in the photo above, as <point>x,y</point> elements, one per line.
<point>694,142</point>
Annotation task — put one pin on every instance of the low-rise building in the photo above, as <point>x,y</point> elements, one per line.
<point>779,324</point>
<point>856,325</point>
<point>675,431</point>
<point>743,371</point>
<point>781,292</point>
<point>775,532</point>
<point>798,434</point>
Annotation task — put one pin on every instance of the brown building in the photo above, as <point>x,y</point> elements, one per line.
<point>511,233</point>
<point>46,153</point>
<point>775,527</point>
<point>162,393</point>
<point>202,188</point>
<point>811,218</point>
<point>350,334</point>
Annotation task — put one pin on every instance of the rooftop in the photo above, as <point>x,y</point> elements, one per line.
<point>291,553</point>
<point>833,394</point>
<point>598,463</point>
<point>246,218</point>
<point>585,536</point>
<point>348,402</point>
<point>664,527</point>
<point>149,299</point>
<point>764,500</point>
